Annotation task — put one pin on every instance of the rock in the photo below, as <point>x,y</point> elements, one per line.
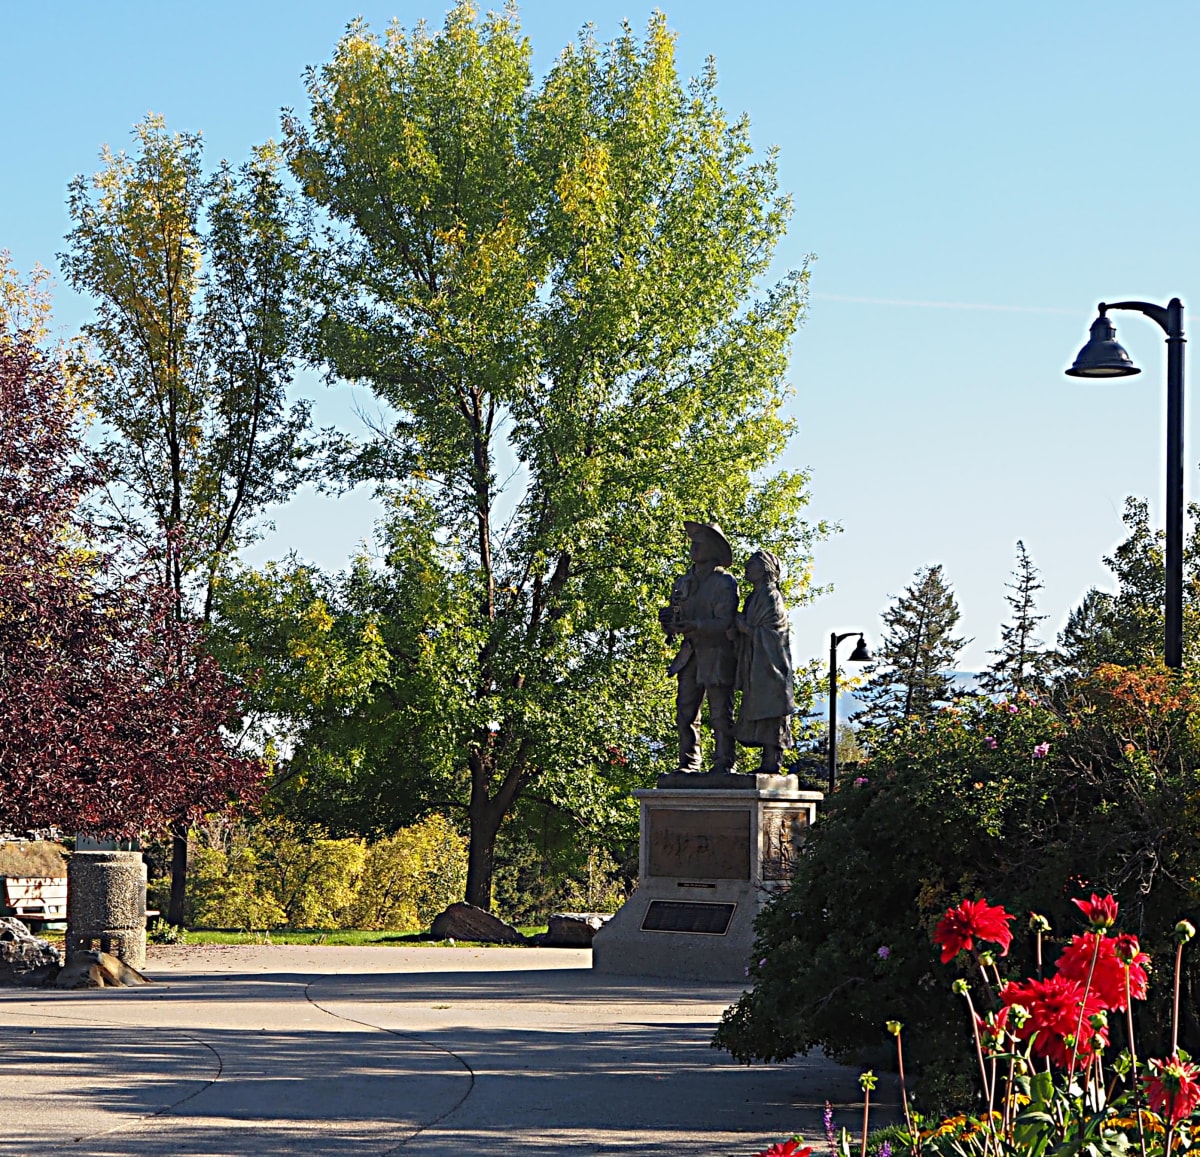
<point>466,922</point>
<point>571,929</point>
<point>22,955</point>
<point>97,970</point>
<point>82,970</point>
<point>117,973</point>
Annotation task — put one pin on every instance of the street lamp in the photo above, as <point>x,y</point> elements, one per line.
<point>1102,357</point>
<point>860,654</point>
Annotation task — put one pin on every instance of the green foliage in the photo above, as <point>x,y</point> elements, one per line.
<point>278,873</point>
<point>556,289</point>
<point>410,877</point>
<point>1126,626</point>
<point>911,676</point>
<point>158,931</point>
<point>223,885</point>
<point>194,280</point>
<point>944,814</point>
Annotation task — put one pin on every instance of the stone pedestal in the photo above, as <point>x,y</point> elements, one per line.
<point>713,850</point>
<point>106,905</point>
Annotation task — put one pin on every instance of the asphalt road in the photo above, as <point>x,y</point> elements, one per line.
<point>418,1052</point>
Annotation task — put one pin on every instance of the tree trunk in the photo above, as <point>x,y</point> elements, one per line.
<point>485,817</point>
<point>179,866</point>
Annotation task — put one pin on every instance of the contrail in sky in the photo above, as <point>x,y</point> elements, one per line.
<point>1191,319</point>
<point>945,304</point>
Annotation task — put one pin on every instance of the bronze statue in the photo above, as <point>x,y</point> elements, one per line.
<point>764,673</point>
<point>702,609</point>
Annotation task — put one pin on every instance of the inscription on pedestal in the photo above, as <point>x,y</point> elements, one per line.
<point>710,845</point>
<point>688,916</point>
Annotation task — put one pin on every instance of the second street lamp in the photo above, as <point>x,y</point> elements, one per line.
<point>1102,357</point>
<point>860,654</point>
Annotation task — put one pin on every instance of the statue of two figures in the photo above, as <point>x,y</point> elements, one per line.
<point>726,649</point>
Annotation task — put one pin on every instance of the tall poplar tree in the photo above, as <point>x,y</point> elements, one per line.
<point>1022,663</point>
<point>915,659</point>
<point>195,334</point>
<point>557,287</point>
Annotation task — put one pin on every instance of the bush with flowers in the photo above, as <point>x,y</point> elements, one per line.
<point>1032,800</point>
<point>1051,1081</point>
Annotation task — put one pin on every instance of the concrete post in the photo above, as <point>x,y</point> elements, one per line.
<point>106,905</point>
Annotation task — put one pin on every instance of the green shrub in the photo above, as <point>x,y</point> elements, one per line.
<point>968,804</point>
<point>225,889</point>
<point>410,877</point>
<point>279,873</point>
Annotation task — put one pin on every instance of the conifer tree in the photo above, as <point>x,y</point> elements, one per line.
<point>1022,663</point>
<point>917,653</point>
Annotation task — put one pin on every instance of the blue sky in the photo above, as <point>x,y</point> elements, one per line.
<point>972,178</point>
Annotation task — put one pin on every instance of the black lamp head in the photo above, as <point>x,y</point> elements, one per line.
<point>1103,357</point>
<point>861,654</point>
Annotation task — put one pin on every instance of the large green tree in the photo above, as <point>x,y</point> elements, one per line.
<point>195,334</point>
<point>916,656</point>
<point>556,287</point>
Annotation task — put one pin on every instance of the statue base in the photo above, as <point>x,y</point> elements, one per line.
<point>712,854</point>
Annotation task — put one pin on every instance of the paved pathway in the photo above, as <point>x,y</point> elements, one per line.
<point>416,1052</point>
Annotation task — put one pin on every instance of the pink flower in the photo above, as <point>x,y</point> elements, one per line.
<point>861,781</point>
<point>1013,709</point>
<point>989,741</point>
<point>1041,751</point>
<point>883,952</point>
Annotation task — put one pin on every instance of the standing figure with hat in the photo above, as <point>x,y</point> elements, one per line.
<point>703,609</point>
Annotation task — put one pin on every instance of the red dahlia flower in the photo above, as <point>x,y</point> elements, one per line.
<point>1101,913</point>
<point>1058,1009</point>
<point>1108,974</point>
<point>786,1149</point>
<point>1173,1089</point>
<point>972,920</point>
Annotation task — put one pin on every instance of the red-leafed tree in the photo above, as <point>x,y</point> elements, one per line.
<point>111,715</point>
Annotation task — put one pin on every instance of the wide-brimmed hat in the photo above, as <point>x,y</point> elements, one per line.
<point>714,536</point>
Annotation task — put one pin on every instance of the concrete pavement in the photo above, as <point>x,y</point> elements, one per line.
<point>418,1052</point>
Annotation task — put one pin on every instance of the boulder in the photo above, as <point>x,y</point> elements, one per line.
<point>97,970</point>
<point>571,929</point>
<point>24,958</point>
<point>466,922</point>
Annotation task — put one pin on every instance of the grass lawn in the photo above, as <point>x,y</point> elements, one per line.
<point>352,936</point>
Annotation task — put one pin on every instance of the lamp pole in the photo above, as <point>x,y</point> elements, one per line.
<point>859,655</point>
<point>1102,357</point>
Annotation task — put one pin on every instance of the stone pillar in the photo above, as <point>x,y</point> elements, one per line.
<point>714,848</point>
<point>106,905</point>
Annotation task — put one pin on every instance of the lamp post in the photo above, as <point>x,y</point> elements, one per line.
<point>860,654</point>
<point>1102,357</point>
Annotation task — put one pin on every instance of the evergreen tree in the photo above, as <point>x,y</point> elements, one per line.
<point>917,654</point>
<point>1022,662</point>
<point>1125,626</point>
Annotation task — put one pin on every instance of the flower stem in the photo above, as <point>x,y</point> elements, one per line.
<point>904,1094</point>
<point>866,1114</point>
<point>1133,1070</point>
<point>1175,1009</point>
<point>1082,1005</point>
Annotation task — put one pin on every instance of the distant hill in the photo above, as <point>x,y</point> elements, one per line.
<point>964,681</point>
